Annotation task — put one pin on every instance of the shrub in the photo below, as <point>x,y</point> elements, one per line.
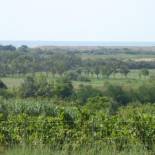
<point>75,76</point>
<point>96,104</point>
<point>36,87</point>
<point>118,94</point>
<point>64,88</point>
<point>145,93</point>
<point>86,92</point>
<point>72,75</point>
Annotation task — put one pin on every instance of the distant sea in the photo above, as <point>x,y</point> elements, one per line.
<point>77,43</point>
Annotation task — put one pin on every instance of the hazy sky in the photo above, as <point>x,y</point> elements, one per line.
<point>77,20</point>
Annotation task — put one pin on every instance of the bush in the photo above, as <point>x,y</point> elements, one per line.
<point>118,94</point>
<point>145,93</point>
<point>72,75</point>
<point>64,88</point>
<point>5,93</point>
<point>86,92</point>
<point>75,76</point>
<point>36,87</point>
<point>96,104</point>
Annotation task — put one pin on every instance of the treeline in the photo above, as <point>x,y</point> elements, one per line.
<point>7,48</point>
<point>25,60</point>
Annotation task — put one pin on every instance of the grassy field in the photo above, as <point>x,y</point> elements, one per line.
<point>12,82</point>
<point>144,57</point>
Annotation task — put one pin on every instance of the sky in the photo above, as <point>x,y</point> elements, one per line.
<point>77,20</point>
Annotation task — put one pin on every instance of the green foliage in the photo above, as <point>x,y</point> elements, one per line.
<point>47,122</point>
<point>41,87</point>
<point>28,88</point>
<point>98,104</point>
<point>63,88</point>
<point>23,48</point>
<point>118,94</point>
<point>76,76</point>
<point>72,75</point>
<point>58,131</point>
<point>85,92</point>
<point>145,93</point>
<point>144,72</point>
<point>4,91</point>
<point>124,70</point>
<point>106,71</point>
<point>35,87</point>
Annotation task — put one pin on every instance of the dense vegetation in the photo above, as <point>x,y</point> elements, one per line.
<point>56,107</point>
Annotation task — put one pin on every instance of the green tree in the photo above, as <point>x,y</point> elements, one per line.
<point>118,94</point>
<point>86,92</point>
<point>106,71</point>
<point>64,88</point>
<point>124,70</point>
<point>97,71</point>
<point>36,87</point>
<point>145,72</point>
<point>23,48</point>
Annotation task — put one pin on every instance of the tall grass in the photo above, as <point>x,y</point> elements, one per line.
<point>105,150</point>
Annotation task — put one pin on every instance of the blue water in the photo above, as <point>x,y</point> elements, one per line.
<point>77,43</point>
